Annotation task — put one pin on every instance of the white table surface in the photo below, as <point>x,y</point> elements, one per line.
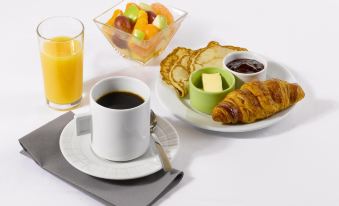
<point>295,162</point>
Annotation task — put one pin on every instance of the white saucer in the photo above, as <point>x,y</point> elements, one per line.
<point>181,107</point>
<point>77,151</point>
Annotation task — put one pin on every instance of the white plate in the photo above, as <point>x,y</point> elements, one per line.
<point>181,108</point>
<point>77,151</point>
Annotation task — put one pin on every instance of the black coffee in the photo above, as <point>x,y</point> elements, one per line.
<point>120,100</point>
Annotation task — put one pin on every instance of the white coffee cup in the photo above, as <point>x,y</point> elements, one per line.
<point>117,134</point>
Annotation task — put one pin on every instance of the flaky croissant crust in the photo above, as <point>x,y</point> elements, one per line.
<point>257,100</point>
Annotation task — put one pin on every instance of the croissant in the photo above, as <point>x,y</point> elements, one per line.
<point>257,100</point>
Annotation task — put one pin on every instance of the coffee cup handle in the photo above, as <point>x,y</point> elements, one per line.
<point>83,123</point>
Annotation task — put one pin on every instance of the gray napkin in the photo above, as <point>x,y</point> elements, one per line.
<point>42,145</point>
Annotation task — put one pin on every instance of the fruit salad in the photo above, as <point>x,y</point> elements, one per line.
<point>139,30</point>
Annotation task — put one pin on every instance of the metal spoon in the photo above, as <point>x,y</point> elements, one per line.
<point>166,164</point>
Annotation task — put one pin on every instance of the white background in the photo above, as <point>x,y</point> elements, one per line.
<point>295,162</point>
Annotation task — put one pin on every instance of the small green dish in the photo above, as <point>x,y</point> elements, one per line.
<point>205,101</point>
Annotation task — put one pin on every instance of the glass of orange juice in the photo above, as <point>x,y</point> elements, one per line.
<point>61,43</point>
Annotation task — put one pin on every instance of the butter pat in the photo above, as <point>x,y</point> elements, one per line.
<point>212,82</point>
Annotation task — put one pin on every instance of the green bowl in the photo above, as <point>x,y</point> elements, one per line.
<point>205,101</point>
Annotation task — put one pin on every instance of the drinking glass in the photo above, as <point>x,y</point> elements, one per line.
<point>61,43</point>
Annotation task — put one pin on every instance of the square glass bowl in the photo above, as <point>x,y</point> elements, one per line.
<point>128,46</point>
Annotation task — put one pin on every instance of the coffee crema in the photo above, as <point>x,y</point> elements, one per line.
<point>120,100</point>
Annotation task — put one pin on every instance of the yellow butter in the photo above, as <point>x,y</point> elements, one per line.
<point>212,82</point>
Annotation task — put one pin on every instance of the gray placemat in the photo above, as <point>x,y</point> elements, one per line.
<point>42,145</point>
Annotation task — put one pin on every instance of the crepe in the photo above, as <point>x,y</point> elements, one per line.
<point>181,62</point>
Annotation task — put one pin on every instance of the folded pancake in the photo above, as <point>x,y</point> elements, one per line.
<point>181,62</point>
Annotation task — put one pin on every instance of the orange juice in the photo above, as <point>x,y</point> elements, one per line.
<point>61,60</point>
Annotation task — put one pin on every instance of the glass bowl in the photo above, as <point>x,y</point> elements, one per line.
<point>126,44</point>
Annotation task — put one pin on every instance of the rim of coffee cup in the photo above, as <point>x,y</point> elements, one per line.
<point>120,77</point>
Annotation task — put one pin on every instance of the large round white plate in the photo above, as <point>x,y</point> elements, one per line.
<point>77,151</point>
<point>181,108</point>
